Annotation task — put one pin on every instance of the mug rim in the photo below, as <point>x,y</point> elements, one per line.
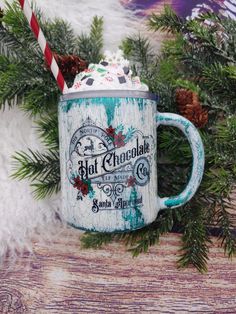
<point>110,93</point>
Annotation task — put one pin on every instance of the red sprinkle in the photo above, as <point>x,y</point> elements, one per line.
<point>77,85</point>
<point>88,70</point>
<point>109,79</point>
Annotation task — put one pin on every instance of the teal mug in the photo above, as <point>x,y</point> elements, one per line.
<point>108,159</point>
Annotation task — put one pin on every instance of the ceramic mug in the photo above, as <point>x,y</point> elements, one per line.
<point>108,159</point>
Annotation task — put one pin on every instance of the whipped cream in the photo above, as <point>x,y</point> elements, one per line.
<point>112,73</point>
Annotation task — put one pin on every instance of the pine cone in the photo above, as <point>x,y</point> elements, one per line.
<point>190,107</point>
<point>70,65</point>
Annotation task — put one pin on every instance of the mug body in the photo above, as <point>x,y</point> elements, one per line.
<point>108,159</point>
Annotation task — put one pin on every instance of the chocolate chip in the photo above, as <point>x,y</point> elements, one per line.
<point>84,77</point>
<point>122,79</point>
<point>104,63</point>
<point>90,81</point>
<point>126,70</point>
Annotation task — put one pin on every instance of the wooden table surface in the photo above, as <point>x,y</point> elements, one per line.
<point>62,278</point>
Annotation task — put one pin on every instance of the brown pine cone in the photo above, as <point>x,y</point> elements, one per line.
<point>70,65</point>
<point>183,97</point>
<point>190,107</point>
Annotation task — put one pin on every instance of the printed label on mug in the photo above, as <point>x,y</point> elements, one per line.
<point>106,161</point>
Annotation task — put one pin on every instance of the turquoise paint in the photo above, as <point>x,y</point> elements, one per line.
<point>141,104</point>
<point>110,107</point>
<point>198,153</point>
<point>130,134</point>
<point>110,104</point>
<point>185,123</point>
<point>66,105</point>
<point>177,200</point>
<point>133,215</point>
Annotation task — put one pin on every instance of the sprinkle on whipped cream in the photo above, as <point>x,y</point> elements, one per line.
<point>112,73</point>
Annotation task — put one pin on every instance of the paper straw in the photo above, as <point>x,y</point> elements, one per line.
<point>43,45</point>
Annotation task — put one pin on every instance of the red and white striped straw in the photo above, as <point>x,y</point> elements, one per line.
<point>43,45</point>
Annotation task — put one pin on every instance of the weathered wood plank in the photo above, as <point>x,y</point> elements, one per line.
<point>62,278</point>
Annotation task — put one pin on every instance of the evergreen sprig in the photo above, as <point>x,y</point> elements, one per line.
<point>47,127</point>
<point>96,240</point>
<point>42,169</point>
<point>90,46</point>
<point>137,241</point>
<point>227,229</point>
<point>139,50</point>
<point>195,238</point>
<point>167,21</point>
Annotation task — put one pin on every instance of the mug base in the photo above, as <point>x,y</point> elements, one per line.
<point>106,231</point>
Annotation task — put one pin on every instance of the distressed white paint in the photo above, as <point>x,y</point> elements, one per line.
<point>73,114</point>
<point>171,119</point>
<point>79,212</point>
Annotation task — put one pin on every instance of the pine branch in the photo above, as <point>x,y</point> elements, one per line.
<point>96,35</point>
<point>138,50</point>
<point>137,241</point>
<point>15,19</point>
<point>43,170</point>
<point>208,41</point>
<point>195,239</point>
<point>35,165</point>
<point>167,21</point>
<point>11,83</point>
<point>46,188</point>
<point>173,142</point>
<point>48,131</point>
<point>219,80</point>
<point>40,100</point>
<point>224,139</point>
<point>16,32</point>
<point>228,234</point>
<point>8,44</point>
<point>60,36</point>
<point>20,79</point>
<point>24,58</point>
<point>96,240</point>
<point>165,92</point>
<point>90,45</point>
<point>150,236</point>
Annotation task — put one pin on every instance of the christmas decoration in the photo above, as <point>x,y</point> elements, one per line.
<point>189,106</point>
<point>70,65</point>
<point>195,75</point>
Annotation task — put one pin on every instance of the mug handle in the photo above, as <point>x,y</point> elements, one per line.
<point>195,142</point>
